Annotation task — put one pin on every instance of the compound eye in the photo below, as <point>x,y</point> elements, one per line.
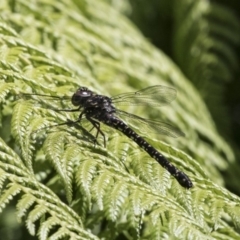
<point>76,99</point>
<point>80,96</point>
<point>85,94</point>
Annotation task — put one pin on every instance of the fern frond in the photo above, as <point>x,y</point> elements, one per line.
<point>20,123</point>
<point>205,43</point>
<point>216,212</point>
<point>36,201</point>
<point>100,185</point>
<point>54,148</point>
<point>34,215</point>
<point>3,177</point>
<point>114,200</point>
<point>11,191</point>
<point>46,227</point>
<point>63,156</point>
<point>69,158</point>
<point>85,175</point>
<point>24,204</point>
<point>80,187</point>
<point>5,88</point>
<point>62,232</point>
<point>234,212</point>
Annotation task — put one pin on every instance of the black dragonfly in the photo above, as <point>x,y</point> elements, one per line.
<point>101,109</point>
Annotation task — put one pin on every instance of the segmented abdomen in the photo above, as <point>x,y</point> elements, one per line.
<point>181,177</point>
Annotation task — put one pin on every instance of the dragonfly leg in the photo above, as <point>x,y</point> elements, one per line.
<point>96,125</point>
<point>67,110</point>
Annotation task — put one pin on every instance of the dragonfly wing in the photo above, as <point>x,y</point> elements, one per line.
<point>155,95</point>
<point>43,96</point>
<point>46,101</point>
<point>148,125</point>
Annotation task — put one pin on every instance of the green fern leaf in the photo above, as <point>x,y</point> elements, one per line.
<point>24,204</point>
<point>11,191</point>
<point>68,159</point>
<point>61,233</point>
<point>5,88</point>
<point>206,38</point>
<point>34,215</point>
<point>100,186</point>
<point>115,199</point>
<point>46,227</point>
<point>20,121</point>
<point>85,174</point>
<point>3,177</point>
<point>54,148</point>
<point>136,199</point>
<point>117,191</point>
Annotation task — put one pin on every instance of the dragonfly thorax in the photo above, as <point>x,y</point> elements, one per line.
<point>91,102</point>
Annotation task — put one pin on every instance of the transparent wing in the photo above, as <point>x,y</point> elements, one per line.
<point>46,101</point>
<point>150,125</point>
<point>43,96</point>
<point>155,95</point>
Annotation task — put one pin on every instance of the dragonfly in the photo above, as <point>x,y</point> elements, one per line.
<point>99,109</point>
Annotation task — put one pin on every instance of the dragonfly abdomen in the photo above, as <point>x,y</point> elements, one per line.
<point>181,177</point>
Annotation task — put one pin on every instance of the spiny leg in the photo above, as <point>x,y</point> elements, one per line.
<point>96,125</point>
<point>67,110</point>
<point>60,124</point>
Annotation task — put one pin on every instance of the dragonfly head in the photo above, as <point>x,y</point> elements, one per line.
<point>80,96</point>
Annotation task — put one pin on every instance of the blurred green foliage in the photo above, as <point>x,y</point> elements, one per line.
<point>67,187</point>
